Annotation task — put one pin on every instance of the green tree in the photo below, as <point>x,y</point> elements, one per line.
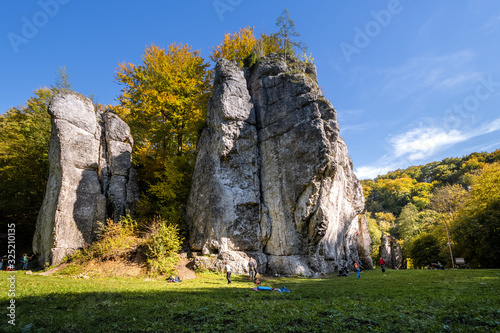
<point>376,235</point>
<point>447,200</point>
<point>478,222</point>
<point>164,101</point>
<point>424,250</point>
<point>24,145</point>
<point>288,34</point>
<point>407,223</point>
<point>62,80</point>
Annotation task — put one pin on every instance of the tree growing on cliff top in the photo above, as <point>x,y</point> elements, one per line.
<point>166,98</point>
<point>244,48</point>
<point>236,46</point>
<point>288,35</point>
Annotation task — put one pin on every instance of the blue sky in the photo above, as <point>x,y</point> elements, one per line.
<point>412,81</point>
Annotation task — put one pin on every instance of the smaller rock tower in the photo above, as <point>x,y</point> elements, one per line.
<point>90,177</point>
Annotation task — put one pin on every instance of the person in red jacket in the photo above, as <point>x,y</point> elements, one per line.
<point>357,268</point>
<point>381,262</point>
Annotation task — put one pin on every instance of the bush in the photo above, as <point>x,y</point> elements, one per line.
<point>162,247</point>
<point>425,249</point>
<point>113,239</point>
<point>250,60</point>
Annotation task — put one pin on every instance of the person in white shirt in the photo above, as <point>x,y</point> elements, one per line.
<point>228,273</point>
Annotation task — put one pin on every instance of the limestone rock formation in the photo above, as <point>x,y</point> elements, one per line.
<point>390,251</point>
<point>90,177</point>
<point>272,175</point>
<point>364,243</point>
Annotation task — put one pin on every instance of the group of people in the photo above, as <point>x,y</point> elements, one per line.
<point>252,269</point>
<point>24,261</point>
<point>358,268</point>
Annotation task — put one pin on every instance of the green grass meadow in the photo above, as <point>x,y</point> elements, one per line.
<point>397,301</point>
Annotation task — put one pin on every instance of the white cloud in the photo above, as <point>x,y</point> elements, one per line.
<point>370,172</point>
<point>421,143</point>
<point>424,142</point>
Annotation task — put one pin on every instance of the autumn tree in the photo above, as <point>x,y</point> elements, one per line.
<point>478,221</point>
<point>165,98</point>
<point>236,46</point>
<point>267,43</point>
<point>447,200</point>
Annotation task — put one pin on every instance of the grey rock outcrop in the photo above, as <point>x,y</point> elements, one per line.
<point>390,251</point>
<point>272,175</point>
<point>364,243</point>
<point>90,177</point>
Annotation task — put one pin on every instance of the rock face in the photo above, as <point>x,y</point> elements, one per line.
<point>364,243</point>
<point>272,175</point>
<point>90,177</point>
<point>390,251</point>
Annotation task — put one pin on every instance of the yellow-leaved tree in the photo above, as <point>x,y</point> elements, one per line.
<point>236,46</point>
<point>166,99</point>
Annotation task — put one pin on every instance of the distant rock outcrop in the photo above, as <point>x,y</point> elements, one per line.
<point>364,243</point>
<point>390,251</point>
<point>273,179</point>
<point>90,177</point>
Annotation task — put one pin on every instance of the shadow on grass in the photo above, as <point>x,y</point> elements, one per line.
<point>400,301</point>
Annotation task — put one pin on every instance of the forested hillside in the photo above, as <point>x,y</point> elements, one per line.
<point>418,205</point>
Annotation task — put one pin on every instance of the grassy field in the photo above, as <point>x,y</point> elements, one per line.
<point>397,301</point>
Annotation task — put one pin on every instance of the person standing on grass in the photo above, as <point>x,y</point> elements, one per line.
<point>25,259</point>
<point>227,268</point>
<point>252,269</point>
<point>356,268</point>
<point>381,262</point>
<point>2,260</point>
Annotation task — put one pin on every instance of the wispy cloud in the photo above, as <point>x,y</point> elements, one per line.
<point>419,144</point>
<point>491,25</point>
<point>370,172</point>
<point>428,73</point>
<point>356,127</point>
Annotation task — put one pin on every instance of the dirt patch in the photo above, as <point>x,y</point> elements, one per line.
<point>185,272</point>
<point>53,270</point>
<point>131,265</point>
<point>112,268</point>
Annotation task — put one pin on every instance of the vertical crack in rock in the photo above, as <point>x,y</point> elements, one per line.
<point>288,196</point>
<point>89,168</point>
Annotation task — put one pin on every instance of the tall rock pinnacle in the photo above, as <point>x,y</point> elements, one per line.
<point>273,179</point>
